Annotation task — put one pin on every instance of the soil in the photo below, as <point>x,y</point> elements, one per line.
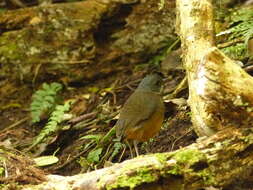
<point>104,97</point>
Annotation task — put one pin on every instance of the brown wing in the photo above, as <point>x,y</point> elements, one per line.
<point>140,107</point>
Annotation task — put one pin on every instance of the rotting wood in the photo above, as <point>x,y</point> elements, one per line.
<point>214,161</point>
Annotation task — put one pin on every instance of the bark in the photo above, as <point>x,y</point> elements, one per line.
<point>215,161</point>
<point>83,40</point>
<point>220,91</point>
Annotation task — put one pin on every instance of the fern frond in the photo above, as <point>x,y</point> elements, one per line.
<point>241,23</point>
<point>53,126</point>
<point>241,29</point>
<point>44,100</point>
<point>236,52</point>
<point>242,14</point>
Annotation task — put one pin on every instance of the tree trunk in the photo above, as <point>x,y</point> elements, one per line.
<point>220,91</point>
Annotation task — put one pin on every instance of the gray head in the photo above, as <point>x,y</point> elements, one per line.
<point>151,82</point>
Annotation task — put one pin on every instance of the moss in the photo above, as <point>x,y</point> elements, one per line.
<point>143,175</point>
<point>175,170</point>
<point>242,14</point>
<point>8,51</point>
<point>189,156</point>
<point>207,177</point>
<point>162,157</point>
<point>11,186</point>
<point>187,163</point>
<point>184,160</point>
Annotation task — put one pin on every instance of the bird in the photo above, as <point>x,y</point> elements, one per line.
<point>142,115</point>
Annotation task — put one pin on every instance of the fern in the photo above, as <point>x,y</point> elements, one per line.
<point>53,126</point>
<point>242,14</point>
<point>242,23</point>
<point>117,147</point>
<point>237,51</point>
<point>44,100</point>
<point>241,27</point>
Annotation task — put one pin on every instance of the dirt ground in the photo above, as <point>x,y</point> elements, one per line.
<point>17,132</point>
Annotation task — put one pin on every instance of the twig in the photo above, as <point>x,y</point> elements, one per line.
<point>107,153</point>
<point>230,43</point>
<point>128,85</point>
<point>249,68</point>
<point>114,97</point>
<point>72,159</point>
<point>36,73</point>
<point>83,124</point>
<point>82,117</point>
<point>5,170</point>
<point>172,146</point>
<point>69,62</point>
<point>15,124</point>
<point>123,152</point>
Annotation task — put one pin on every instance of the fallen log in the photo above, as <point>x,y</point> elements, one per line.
<point>215,161</point>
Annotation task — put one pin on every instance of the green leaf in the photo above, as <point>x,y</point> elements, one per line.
<point>45,160</point>
<point>44,100</point>
<point>2,10</point>
<point>53,126</point>
<point>95,138</point>
<point>83,162</point>
<point>56,86</point>
<point>94,156</point>
<point>117,147</point>
<point>45,86</point>
<point>109,135</point>
<point>2,170</point>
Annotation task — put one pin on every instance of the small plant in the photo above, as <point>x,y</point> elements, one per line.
<point>117,147</point>
<point>241,24</point>
<point>237,51</point>
<point>44,100</point>
<point>241,29</point>
<point>94,155</point>
<point>53,126</point>
<point>105,148</point>
<point>2,10</point>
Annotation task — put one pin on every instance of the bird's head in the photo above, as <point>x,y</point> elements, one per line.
<point>152,82</point>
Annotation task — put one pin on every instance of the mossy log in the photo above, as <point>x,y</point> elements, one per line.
<point>82,40</point>
<point>215,161</point>
<point>221,93</point>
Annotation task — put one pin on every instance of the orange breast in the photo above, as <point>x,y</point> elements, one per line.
<point>147,128</point>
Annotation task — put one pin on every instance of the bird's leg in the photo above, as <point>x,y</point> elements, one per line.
<point>130,148</point>
<point>136,147</point>
<point>123,152</point>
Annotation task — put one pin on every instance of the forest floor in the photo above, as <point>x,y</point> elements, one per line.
<point>103,99</point>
